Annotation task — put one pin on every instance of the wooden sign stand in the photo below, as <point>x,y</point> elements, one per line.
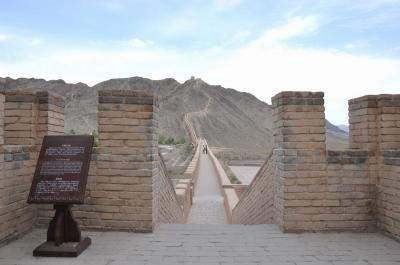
<point>60,179</point>
<point>63,236</point>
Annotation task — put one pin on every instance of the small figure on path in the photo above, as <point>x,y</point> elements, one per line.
<point>205,151</point>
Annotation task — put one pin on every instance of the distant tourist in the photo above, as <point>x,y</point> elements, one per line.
<point>205,149</point>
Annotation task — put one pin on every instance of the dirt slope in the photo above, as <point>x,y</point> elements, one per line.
<point>236,122</point>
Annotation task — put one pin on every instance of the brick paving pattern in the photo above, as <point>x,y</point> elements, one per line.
<point>216,244</point>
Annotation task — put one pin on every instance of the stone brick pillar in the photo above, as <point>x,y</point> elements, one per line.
<point>375,127</point>
<point>364,123</point>
<point>3,193</point>
<point>389,121</point>
<point>388,191</point>
<point>50,117</point>
<point>50,121</point>
<point>21,111</point>
<point>300,153</point>
<point>1,122</point>
<point>364,130</point>
<point>374,122</point>
<point>127,155</point>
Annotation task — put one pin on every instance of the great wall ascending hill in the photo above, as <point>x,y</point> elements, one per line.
<point>233,121</point>
<point>303,186</point>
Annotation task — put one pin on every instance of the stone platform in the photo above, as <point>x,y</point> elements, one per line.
<point>216,244</point>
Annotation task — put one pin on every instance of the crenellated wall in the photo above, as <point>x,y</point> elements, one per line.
<point>24,117</point>
<point>302,186</point>
<point>375,126</point>
<point>300,155</point>
<point>127,188</point>
<point>316,189</point>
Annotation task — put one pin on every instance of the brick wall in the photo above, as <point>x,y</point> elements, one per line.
<point>49,121</point>
<point>27,116</point>
<point>50,117</point>
<point>119,190</point>
<point>389,109</point>
<point>313,189</point>
<point>350,190</point>
<point>1,123</point>
<point>127,187</point>
<point>256,205</point>
<point>21,114</point>
<point>389,164</point>
<point>300,149</point>
<point>302,187</point>
<point>389,193</point>
<point>166,208</point>
<point>16,216</point>
<point>375,126</point>
<point>3,228</point>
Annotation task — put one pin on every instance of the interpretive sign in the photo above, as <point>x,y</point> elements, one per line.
<point>60,179</point>
<point>61,170</point>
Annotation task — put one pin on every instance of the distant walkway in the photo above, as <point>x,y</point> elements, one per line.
<point>208,203</point>
<point>188,120</point>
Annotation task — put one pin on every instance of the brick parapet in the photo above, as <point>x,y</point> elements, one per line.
<point>20,121</point>
<point>16,215</point>
<point>167,207</point>
<point>389,106</point>
<point>351,156</point>
<point>2,102</point>
<point>375,126</point>
<point>388,193</point>
<point>124,179</point>
<point>50,119</point>
<point>315,189</point>
<point>300,156</point>
<point>374,122</point>
<point>3,228</point>
<point>27,118</point>
<point>21,112</point>
<point>256,204</point>
<point>350,183</point>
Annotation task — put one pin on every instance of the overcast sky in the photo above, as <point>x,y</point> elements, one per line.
<point>344,48</point>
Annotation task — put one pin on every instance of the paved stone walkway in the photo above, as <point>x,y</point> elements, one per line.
<point>208,203</point>
<point>216,244</point>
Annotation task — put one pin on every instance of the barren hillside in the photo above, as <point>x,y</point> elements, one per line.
<point>237,122</point>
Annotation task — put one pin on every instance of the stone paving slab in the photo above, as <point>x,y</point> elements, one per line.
<point>216,244</point>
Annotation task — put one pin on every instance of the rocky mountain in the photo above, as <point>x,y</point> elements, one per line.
<point>344,128</point>
<point>236,122</point>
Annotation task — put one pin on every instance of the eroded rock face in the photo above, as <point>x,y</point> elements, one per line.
<point>235,121</point>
